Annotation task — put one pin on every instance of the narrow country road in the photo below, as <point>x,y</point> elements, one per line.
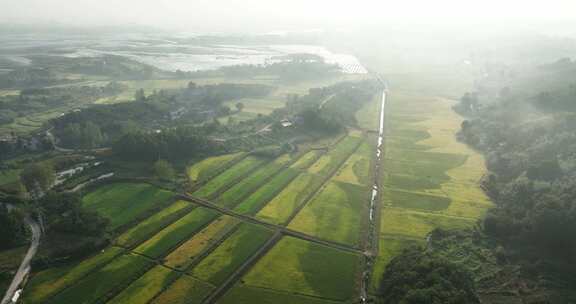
<point>24,268</point>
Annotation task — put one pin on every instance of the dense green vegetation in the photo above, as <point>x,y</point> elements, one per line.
<point>525,126</point>
<point>418,276</point>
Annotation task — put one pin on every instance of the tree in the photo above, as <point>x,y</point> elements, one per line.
<point>191,85</point>
<point>419,276</point>
<point>139,95</point>
<point>38,178</point>
<point>164,170</point>
<point>12,227</point>
<point>92,135</point>
<point>239,106</point>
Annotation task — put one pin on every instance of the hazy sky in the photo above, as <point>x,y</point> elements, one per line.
<point>268,15</point>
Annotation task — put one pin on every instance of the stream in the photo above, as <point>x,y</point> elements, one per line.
<point>371,244</point>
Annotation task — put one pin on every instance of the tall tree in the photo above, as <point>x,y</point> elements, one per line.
<point>37,178</point>
<point>164,170</point>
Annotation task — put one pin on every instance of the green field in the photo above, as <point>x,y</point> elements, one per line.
<point>46,283</point>
<point>233,196</point>
<point>300,267</point>
<point>369,115</point>
<point>104,282</point>
<point>206,168</point>
<point>185,290</point>
<point>153,224</point>
<point>332,160</point>
<point>306,160</point>
<point>184,255</point>
<point>246,295</point>
<point>356,169</point>
<point>255,201</point>
<point>430,179</point>
<point>336,213</point>
<point>146,287</point>
<point>171,236</point>
<point>229,176</point>
<point>123,203</point>
<point>229,255</point>
<point>282,206</point>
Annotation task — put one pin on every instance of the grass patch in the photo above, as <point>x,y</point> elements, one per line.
<point>281,207</point>
<point>122,203</point>
<point>105,281</point>
<point>146,287</point>
<point>184,255</point>
<point>153,224</point>
<point>229,176</point>
<point>175,233</point>
<point>185,290</point>
<point>255,201</point>
<point>9,176</point>
<point>301,267</point>
<point>48,282</point>
<point>227,257</point>
<point>335,213</point>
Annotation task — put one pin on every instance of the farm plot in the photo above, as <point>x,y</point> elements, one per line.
<point>229,176</point>
<point>282,206</point>
<point>50,281</point>
<point>153,224</point>
<point>174,234</point>
<point>333,159</point>
<point>230,255</point>
<point>146,287</point>
<point>185,290</point>
<point>265,193</point>
<point>205,169</point>
<point>430,179</point>
<point>100,284</point>
<point>336,213</point>
<point>184,255</point>
<point>233,196</point>
<point>123,203</point>
<point>301,268</point>
<point>248,295</point>
<point>356,169</point>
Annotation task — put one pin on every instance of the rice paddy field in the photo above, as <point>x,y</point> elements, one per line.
<point>296,270</point>
<point>172,250</point>
<point>208,167</point>
<point>123,203</point>
<point>229,176</point>
<point>430,180</point>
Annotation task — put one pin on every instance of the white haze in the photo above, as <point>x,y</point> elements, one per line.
<point>273,15</point>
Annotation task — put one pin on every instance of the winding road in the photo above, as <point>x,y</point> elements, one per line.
<point>14,289</point>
